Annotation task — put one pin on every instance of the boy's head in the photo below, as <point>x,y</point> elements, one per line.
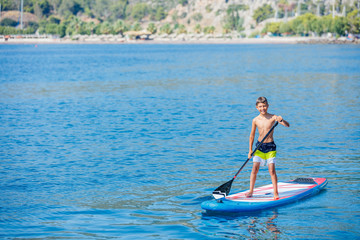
<point>262,105</point>
<point>261,100</point>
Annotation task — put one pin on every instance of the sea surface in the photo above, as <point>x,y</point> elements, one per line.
<point>126,141</point>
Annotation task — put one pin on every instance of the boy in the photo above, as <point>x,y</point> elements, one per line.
<point>267,150</point>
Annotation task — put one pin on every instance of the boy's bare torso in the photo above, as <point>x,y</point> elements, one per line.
<point>264,124</point>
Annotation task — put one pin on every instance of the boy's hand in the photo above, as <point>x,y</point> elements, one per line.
<point>249,155</point>
<point>282,121</point>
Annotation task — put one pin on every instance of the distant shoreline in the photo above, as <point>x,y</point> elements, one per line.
<point>158,40</point>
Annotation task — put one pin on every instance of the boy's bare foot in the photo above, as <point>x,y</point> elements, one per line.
<point>249,194</point>
<point>276,197</point>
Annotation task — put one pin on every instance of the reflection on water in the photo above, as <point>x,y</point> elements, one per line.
<point>257,225</point>
<point>269,231</point>
<point>126,141</point>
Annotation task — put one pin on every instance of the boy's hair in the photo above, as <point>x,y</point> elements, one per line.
<point>261,100</point>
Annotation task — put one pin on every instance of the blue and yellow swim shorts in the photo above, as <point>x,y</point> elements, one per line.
<point>267,151</point>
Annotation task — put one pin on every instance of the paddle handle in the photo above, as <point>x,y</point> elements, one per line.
<point>271,129</point>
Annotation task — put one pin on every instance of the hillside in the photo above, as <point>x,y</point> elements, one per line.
<point>172,16</point>
<point>218,13</point>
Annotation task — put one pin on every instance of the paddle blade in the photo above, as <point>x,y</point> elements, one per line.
<point>223,190</point>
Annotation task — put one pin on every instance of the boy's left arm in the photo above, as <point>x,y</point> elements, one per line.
<point>282,121</point>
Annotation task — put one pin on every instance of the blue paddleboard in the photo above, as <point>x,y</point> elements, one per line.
<point>263,198</point>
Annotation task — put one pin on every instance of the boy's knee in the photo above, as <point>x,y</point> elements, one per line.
<point>272,171</point>
<point>255,169</point>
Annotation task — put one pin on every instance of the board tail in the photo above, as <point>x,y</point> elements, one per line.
<point>305,180</point>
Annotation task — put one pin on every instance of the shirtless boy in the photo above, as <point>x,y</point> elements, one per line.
<point>267,151</point>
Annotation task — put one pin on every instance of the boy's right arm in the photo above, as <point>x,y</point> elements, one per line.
<point>252,137</point>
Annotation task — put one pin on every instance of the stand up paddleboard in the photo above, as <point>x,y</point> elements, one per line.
<point>263,198</point>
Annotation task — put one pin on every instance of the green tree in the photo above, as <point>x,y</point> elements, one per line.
<point>326,24</point>
<point>29,30</point>
<point>297,26</point>
<point>232,21</point>
<point>183,2</point>
<point>101,9</point>
<point>136,27</point>
<point>119,27</point>
<point>197,17</point>
<point>181,29</point>
<point>97,29</point>
<point>7,5</point>
<point>197,28</point>
<point>308,23</point>
<point>354,21</point>
<point>33,25</point>
<point>160,13</point>
<point>118,9</point>
<point>5,30</point>
<point>37,11</point>
<point>254,34</point>
<point>307,20</point>
<point>53,19</point>
<point>209,30</point>
<point>42,26</point>
<point>106,28</point>
<point>8,22</point>
<point>45,7</point>
<point>38,7</point>
<point>208,8</point>
<point>226,29</point>
<point>62,30</point>
<point>316,26</point>
<point>69,8</point>
<point>166,28</point>
<point>87,28</point>
<point>341,25</point>
<point>73,26</point>
<point>237,7</point>
<point>139,11</point>
<point>152,28</point>
<point>285,28</point>
<point>273,27</point>
<point>55,5</point>
<point>262,13</point>
<point>51,28</point>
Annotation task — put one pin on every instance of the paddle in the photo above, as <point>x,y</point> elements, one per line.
<point>224,189</point>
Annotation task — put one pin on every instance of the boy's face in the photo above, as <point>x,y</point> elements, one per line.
<point>262,108</point>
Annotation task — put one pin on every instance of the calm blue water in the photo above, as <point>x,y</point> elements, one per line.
<point>126,141</point>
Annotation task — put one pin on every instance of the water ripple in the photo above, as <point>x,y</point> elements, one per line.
<point>101,141</point>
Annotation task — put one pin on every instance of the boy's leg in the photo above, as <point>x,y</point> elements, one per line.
<point>255,170</point>
<point>273,175</point>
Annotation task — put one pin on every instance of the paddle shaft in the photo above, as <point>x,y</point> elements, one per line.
<point>224,189</point>
<point>272,128</point>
